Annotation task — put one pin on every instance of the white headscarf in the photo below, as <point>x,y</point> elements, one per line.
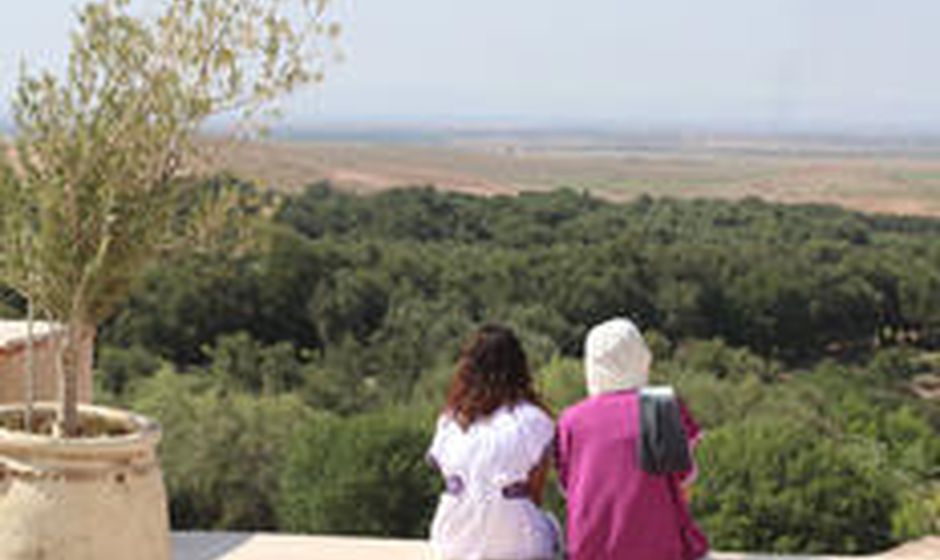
<point>615,357</point>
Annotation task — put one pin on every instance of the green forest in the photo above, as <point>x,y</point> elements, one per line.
<point>298,373</point>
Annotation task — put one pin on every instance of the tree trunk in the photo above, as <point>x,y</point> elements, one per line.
<point>77,335</point>
<point>30,396</point>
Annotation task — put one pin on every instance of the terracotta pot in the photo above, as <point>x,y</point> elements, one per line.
<point>95,498</point>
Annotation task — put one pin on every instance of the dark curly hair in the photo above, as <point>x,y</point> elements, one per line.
<point>492,371</point>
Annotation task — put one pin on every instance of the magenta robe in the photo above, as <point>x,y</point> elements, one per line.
<point>616,511</point>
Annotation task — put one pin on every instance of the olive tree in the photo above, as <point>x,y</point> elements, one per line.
<point>91,187</point>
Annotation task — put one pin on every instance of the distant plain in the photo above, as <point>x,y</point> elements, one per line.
<point>871,174</point>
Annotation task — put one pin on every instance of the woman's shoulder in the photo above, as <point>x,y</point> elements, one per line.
<point>592,406</point>
<point>531,416</point>
<point>446,423</point>
<point>529,411</point>
<point>531,433</point>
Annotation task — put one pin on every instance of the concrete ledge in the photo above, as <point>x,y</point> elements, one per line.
<point>262,546</point>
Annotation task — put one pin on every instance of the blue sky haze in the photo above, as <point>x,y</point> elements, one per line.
<point>797,64</point>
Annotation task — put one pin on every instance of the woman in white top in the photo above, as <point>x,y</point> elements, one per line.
<point>492,446</point>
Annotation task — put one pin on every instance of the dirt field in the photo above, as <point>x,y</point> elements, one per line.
<point>873,179</point>
<point>880,177</point>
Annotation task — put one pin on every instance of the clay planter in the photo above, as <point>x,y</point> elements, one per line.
<point>92,498</point>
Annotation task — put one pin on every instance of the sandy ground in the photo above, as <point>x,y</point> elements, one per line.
<point>896,183</point>
<point>891,181</point>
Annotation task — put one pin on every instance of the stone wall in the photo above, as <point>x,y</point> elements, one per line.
<point>13,346</point>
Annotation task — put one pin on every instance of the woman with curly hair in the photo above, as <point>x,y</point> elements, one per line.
<point>492,446</point>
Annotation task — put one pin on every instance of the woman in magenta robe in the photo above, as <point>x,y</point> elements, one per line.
<point>616,510</point>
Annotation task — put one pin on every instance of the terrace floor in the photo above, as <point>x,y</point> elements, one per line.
<point>261,546</point>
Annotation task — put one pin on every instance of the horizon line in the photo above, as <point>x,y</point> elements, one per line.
<point>456,126</point>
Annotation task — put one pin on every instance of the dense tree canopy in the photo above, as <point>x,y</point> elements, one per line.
<point>314,363</point>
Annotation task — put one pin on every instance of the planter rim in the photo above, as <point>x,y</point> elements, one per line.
<point>144,435</point>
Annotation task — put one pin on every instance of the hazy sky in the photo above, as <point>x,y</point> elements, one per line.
<point>765,63</point>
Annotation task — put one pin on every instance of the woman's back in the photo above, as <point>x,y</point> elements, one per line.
<point>615,509</point>
<point>485,512</point>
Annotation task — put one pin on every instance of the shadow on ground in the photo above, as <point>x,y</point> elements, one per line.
<point>206,546</point>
